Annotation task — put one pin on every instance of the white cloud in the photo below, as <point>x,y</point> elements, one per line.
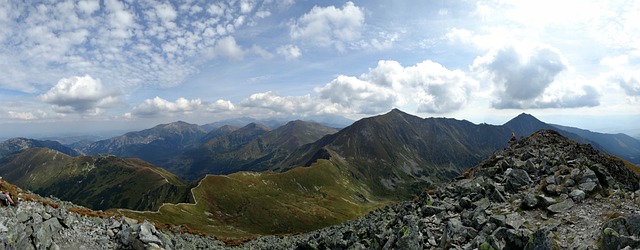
<point>429,86</point>
<point>289,51</point>
<point>89,7</point>
<point>519,76</point>
<point>158,106</point>
<point>220,106</point>
<point>228,47</point>
<point>166,12</point>
<point>568,95</point>
<point>22,115</point>
<point>329,26</point>
<point>80,94</point>
<point>281,104</point>
<point>358,95</point>
<point>629,84</point>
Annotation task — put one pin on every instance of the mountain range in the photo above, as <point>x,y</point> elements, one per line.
<point>337,174</point>
<point>542,191</point>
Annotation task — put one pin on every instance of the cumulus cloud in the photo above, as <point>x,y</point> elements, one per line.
<point>568,95</point>
<point>520,76</point>
<point>329,26</point>
<point>428,85</point>
<point>159,107</point>
<point>629,84</point>
<point>80,94</point>
<point>280,104</point>
<point>228,47</point>
<point>358,95</point>
<point>289,51</point>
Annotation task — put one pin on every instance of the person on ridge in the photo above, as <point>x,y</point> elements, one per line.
<point>513,138</point>
<point>5,197</point>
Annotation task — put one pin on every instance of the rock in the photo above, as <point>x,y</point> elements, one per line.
<point>529,201</point>
<point>540,240</point>
<point>574,173</point>
<point>456,233</point>
<point>514,220</point>
<point>550,179</point>
<point>516,179</point>
<point>588,187</point>
<point>43,236</point>
<point>551,189</point>
<point>569,183</point>
<point>545,201</point>
<point>499,219</point>
<point>577,195</point>
<point>561,206</point>
<point>409,236</point>
<point>588,176</point>
<point>146,233</point>
<point>429,210</point>
<point>466,203</point>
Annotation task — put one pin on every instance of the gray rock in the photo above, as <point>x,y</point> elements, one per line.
<point>550,179</point>
<point>466,203</point>
<point>516,179</point>
<point>561,206</point>
<point>577,195</point>
<point>545,201</point>
<point>569,183</point>
<point>409,236</point>
<point>529,201</point>
<point>43,236</point>
<point>429,210</point>
<point>514,220</point>
<point>540,240</point>
<point>588,176</point>
<point>588,187</point>
<point>456,233</point>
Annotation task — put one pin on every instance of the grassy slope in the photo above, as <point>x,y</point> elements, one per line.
<point>99,182</point>
<point>248,204</point>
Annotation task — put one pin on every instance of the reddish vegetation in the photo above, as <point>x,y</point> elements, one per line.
<point>89,212</point>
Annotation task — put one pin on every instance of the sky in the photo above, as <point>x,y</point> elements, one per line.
<point>83,67</point>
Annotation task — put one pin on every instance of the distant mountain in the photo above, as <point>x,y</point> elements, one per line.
<point>14,145</point>
<point>526,124</point>
<point>328,120</point>
<point>251,148</point>
<point>98,182</point>
<point>156,145</point>
<point>621,145</point>
<point>244,121</point>
<point>66,140</point>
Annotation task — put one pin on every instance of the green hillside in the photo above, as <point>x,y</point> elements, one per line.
<point>98,182</point>
<point>248,204</point>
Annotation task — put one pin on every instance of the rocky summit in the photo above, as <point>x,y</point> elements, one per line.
<point>543,191</point>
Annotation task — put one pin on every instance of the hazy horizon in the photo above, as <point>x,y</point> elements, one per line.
<point>108,131</point>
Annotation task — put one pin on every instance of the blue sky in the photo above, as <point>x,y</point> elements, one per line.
<point>88,66</point>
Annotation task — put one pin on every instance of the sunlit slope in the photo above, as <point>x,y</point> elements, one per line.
<point>98,182</point>
<point>248,204</point>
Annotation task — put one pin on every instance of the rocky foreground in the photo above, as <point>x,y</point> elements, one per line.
<point>542,192</point>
